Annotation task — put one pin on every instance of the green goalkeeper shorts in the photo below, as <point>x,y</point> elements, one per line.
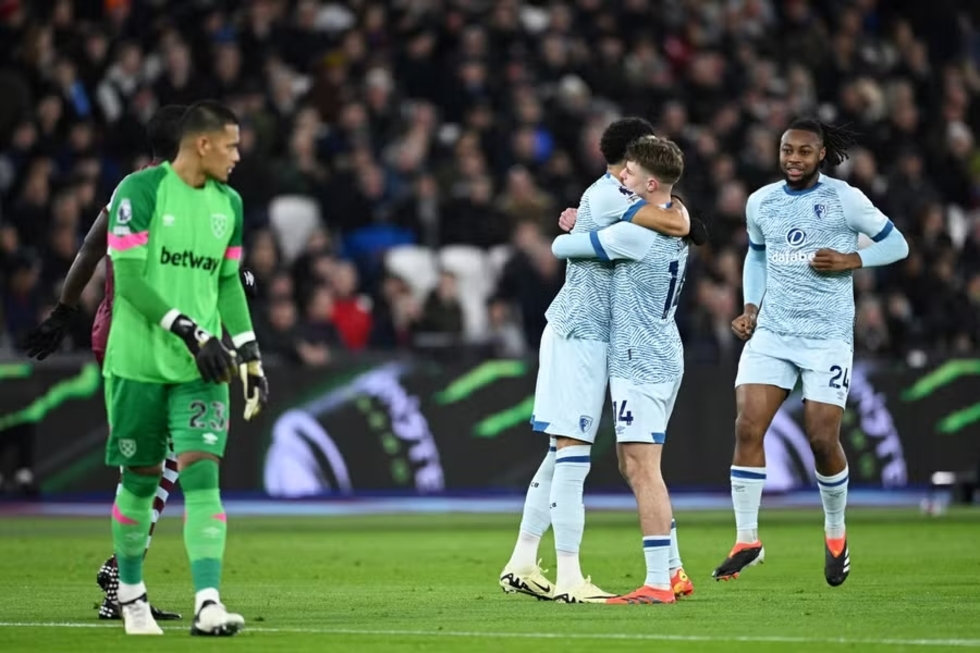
<point>143,416</point>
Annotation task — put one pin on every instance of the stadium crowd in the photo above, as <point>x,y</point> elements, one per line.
<point>469,125</point>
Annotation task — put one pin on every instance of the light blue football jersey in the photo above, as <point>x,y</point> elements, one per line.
<point>791,226</point>
<point>645,345</point>
<point>581,310</point>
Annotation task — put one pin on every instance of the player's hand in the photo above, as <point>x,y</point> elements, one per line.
<point>829,260</point>
<point>567,219</point>
<point>255,384</point>
<point>214,361</point>
<point>46,338</point>
<point>744,325</point>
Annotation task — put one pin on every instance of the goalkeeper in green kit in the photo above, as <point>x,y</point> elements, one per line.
<point>175,236</point>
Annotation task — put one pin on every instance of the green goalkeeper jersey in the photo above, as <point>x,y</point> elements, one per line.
<point>187,238</point>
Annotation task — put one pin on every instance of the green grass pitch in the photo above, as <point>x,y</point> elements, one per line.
<point>429,583</point>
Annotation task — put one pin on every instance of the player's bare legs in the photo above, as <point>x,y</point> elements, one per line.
<point>523,574</point>
<point>108,576</point>
<point>131,518</point>
<point>572,464</point>
<point>205,532</point>
<point>756,406</point>
<point>679,580</point>
<point>639,462</point>
<point>822,425</point>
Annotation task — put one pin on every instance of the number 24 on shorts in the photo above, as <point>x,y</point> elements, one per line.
<point>623,415</point>
<point>836,381</point>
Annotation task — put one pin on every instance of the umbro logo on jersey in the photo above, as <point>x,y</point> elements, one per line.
<point>210,438</point>
<point>188,259</point>
<point>168,220</point>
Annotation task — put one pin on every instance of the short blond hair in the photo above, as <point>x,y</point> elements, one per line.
<point>660,157</point>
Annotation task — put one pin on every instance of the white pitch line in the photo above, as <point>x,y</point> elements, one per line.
<point>776,639</point>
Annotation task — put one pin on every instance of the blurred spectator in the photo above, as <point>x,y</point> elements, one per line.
<point>442,312</point>
<point>351,313</point>
<point>437,123</point>
<point>528,284</point>
<point>395,316</point>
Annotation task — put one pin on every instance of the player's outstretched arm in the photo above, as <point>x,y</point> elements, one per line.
<point>888,244</point>
<point>46,338</point>
<point>622,240</point>
<point>672,221</point>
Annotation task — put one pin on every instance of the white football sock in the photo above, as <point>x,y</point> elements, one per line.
<point>747,483</point>
<point>675,549</point>
<point>207,594</point>
<point>833,495</point>
<point>572,466</point>
<point>127,592</point>
<point>656,550</point>
<point>537,514</point>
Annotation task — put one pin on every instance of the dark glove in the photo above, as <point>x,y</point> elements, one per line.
<point>255,384</point>
<point>214,361</point>
<point>46,338</point>
<point>248,283</point>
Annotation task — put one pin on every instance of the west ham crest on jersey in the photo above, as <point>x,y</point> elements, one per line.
<point>219,225</point>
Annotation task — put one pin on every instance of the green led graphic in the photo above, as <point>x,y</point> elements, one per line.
<point>81,386</point>
<point>480,376</point>
<point>494,425</point>
<point>940,377</point>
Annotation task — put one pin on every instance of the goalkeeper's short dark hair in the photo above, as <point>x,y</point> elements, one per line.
<point>163,131</point>
<point>619,135</point>
<point>207,116</point>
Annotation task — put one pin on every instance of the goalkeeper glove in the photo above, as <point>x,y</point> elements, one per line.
<point>46,338</point>
<point>214,361</point>
<point>253,379</point>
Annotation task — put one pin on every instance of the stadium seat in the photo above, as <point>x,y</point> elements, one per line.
<point>474,275</point>
<point>416,265</point>
<point>498,257</point>
<point>293,218</point>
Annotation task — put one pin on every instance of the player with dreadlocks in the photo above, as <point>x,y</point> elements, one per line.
<point>799,322</point>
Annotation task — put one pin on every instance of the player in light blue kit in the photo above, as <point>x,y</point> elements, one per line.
<point>646,355</point>
<point>571,383</point>
<point>803,236</point>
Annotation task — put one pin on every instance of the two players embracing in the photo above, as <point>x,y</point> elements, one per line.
<point>798,320</point>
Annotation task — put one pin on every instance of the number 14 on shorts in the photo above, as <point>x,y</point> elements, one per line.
<point>624,414</point>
